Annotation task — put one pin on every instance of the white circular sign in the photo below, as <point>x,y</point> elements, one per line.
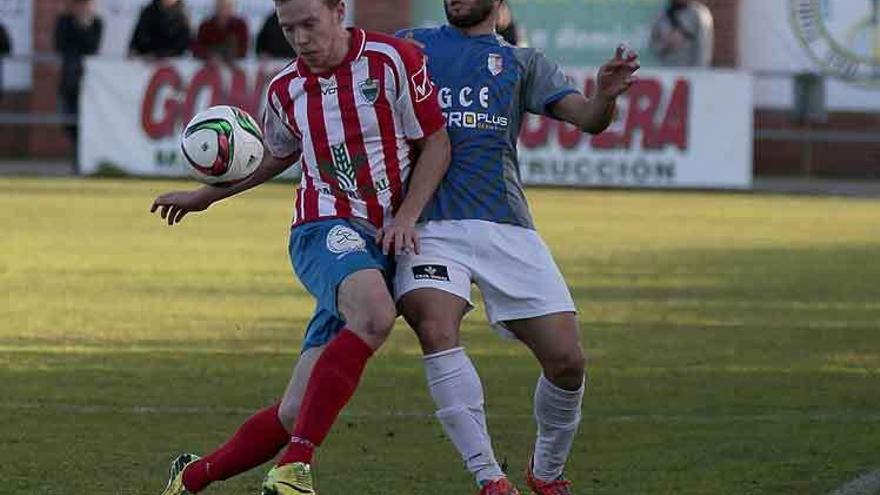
<point>842,36</point>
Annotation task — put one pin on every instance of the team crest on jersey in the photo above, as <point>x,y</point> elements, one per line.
<point>369,90</point>
<point>343,240</point>
<point>495,64</point>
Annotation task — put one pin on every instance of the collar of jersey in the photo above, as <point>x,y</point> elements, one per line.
<point>457,33</point>
<point>358,42</point>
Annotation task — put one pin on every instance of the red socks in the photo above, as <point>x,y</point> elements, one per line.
<point>333,381</point>
<point>258,440</point>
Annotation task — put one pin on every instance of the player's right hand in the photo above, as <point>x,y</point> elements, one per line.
<point>399,238</point>
<point>175,205</point>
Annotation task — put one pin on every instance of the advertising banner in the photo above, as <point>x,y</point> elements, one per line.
<point>133,111</point>
<point>673,129</point>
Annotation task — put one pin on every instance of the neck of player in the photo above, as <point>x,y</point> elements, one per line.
<point>483,28</point>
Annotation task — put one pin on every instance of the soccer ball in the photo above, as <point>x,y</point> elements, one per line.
<point>222,144</point>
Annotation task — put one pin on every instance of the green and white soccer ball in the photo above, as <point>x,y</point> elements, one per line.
<point>222,144</point>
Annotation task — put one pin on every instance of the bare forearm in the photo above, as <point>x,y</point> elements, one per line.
<point>592,115</point>
<point>598,116</point>
<point>429,171</point>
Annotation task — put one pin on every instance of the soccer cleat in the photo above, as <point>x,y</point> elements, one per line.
<point>289,479</point>
<point>559,486</point>
<point>175,479</point>
<point>501,486</point>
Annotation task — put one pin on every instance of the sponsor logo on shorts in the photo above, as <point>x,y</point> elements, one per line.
<point>343,240</point>
<point>431,272</point>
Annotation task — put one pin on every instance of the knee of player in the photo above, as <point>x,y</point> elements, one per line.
<point>287,412</point>
<point>376,322</point>
<point>568,367</point>
<point>436,335</point>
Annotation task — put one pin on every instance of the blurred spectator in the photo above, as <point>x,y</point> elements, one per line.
<point>271,42</point>
<point>5,49</point>
<point>222,37</point>
<point>508,28</point>
<point>683,35</point>
<point>77,34</point>
<point>162,30</point>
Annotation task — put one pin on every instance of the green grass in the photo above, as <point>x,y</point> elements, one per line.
<point>735,344</point>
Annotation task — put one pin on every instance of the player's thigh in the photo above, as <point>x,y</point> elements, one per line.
<point>443,263</point>
<point>366,305</point>
<point>433,288</point>
<point>296,387</point>
<point>340,265</point>
<point>517,275</point>
<point>325,253</point>
<point>555,340</point>
<point>435,315</point>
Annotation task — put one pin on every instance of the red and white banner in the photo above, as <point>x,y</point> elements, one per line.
<point>674,129</point>
<point>132,111</point>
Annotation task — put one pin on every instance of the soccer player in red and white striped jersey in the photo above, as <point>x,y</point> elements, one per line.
<point>359,160</point>
<point>352,109</point>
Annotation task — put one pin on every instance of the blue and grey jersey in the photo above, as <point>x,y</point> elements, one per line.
<point>485,87</point>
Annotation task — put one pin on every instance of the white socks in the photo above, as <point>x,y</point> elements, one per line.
<point>558,414</point>
<point>458,394</point>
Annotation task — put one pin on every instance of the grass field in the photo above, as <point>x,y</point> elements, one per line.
<point>735,344</point>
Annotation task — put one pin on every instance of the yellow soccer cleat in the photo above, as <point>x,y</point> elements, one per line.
<point>290,479</point>
<point>175,479</point>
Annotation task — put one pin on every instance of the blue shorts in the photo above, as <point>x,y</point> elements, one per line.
<point>323,254</point>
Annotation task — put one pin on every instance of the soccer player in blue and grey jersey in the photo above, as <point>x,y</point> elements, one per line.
<point>478,229</point>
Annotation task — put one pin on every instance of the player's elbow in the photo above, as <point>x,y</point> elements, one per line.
<point>594,128</point>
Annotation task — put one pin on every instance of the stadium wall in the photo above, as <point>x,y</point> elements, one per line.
<point>48,141</point>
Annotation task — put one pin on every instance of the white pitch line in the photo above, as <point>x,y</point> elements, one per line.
<point>415,414</point>
<point>866,484</point>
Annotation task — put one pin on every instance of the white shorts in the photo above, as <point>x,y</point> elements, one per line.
<point>511,266</point>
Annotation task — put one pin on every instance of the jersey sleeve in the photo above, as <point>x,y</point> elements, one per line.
<point>546,83</point>
<point>417,101</point>
<point>279,138</point>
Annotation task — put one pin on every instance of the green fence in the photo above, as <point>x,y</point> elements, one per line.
<point>573,32</point>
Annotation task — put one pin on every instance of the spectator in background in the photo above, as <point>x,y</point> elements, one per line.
<point>77,34</point>
<point>5,50</point>
<point>508,28</point>
<point>222,37</point>
<point>271,42</point>
<point>162,30</point>
<point>683,35</point>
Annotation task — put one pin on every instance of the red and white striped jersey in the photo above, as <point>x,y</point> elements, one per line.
<point>352,126</point>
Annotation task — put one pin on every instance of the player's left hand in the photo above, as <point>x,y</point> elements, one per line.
<point>616,76</point>
<point>400,236</point>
